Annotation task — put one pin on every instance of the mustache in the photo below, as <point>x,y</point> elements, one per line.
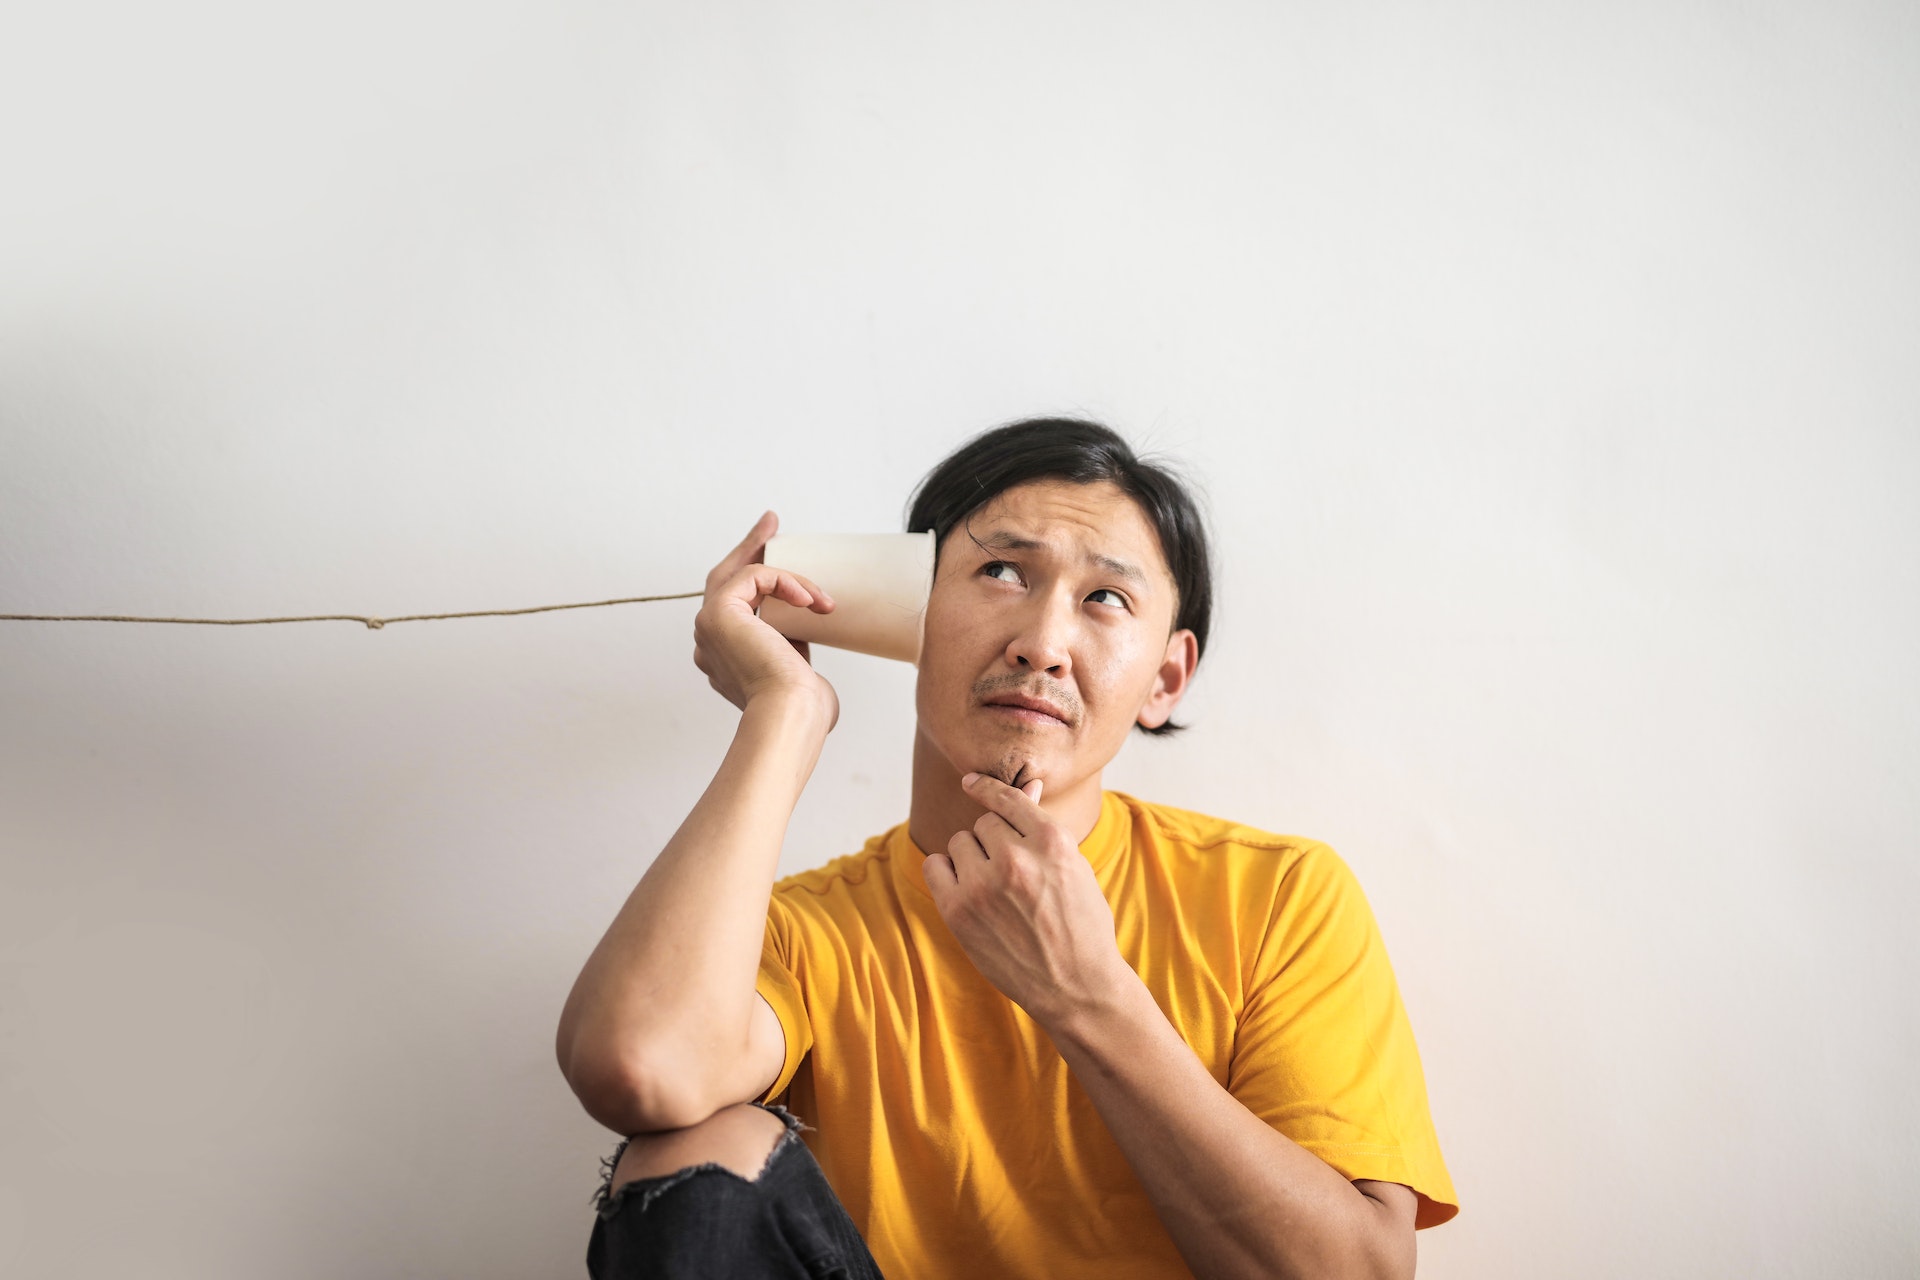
<point>1056,694</point>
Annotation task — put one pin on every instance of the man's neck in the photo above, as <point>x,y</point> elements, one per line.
<point>941,808</point>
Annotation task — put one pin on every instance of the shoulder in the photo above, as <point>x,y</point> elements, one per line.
<point>824,919</point>
<point>854,885</point>
<point>1189,833</point>
<point>843,874</point>
<point>1272,874</point>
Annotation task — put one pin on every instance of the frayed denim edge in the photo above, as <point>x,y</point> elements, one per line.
<point>606,1201</point>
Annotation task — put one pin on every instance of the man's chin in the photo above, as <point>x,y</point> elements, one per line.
<point>1015,770</point>
<point>1012,761</point>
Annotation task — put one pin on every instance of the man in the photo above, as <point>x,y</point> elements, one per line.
<point>1040,1028</point>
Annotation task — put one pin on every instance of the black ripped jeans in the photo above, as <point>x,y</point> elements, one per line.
<point>707,1220</point>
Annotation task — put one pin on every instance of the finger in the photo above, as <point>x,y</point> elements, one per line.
<point>1032,788</point>
<point>756,540</point>
<point>771,580</point>
<point>965,849</point>
<point>822,600</point>
<point>1021,813</point>
<point>808,583</point>
<point>937,870</point>
<point>759,582</point>
<point>994,832</point>
<point>750,549</point>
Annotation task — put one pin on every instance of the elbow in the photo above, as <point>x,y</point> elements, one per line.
<point>638,1092</point>
<point>1391,1252</point>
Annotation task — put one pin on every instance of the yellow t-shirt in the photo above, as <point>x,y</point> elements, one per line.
<point>949,1125</point>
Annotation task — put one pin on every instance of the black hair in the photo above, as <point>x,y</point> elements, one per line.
<point>1082,452</point>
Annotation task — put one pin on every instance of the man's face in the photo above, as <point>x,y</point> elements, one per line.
<point>1062,621</point>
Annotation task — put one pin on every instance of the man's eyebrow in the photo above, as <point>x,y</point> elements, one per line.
<point>1005,540</point>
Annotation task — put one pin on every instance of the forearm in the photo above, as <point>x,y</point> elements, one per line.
<point>672,981</point>
<point>1238,1197</point>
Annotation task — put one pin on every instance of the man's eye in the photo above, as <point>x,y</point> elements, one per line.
<point>995,564</point>
<point>991,565</point>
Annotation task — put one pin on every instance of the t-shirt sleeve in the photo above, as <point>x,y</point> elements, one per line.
<point>779,983</point>
<point>1324,1051</point>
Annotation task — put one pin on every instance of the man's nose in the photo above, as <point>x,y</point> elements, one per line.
<point>1043,641</point>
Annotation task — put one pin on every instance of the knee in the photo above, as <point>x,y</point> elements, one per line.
<point>741,1138</point>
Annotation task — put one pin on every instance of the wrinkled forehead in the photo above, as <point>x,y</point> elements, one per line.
<point>1098,524</point>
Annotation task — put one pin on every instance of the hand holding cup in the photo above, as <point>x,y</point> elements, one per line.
<point>742,656</point>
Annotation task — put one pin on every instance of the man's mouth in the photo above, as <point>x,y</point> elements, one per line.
<point>1030,710</point>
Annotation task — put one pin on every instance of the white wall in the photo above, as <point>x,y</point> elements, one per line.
<point>1551,370</point>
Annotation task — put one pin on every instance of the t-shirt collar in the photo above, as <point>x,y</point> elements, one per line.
<point>1100,847</point>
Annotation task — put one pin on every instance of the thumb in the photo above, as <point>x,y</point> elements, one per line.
<point>1032,788</point>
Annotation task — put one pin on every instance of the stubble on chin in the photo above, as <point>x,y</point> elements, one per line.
<point>1013,769</point>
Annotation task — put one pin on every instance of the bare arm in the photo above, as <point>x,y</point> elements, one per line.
<point>1238,1197</point>
<point>663,1026</point>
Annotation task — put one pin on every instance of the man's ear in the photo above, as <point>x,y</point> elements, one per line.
<point>1171,680</point>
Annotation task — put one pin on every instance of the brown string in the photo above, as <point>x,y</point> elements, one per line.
<point>373,624</point>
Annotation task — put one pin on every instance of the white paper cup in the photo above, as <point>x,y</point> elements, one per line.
<point>880,583</point>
